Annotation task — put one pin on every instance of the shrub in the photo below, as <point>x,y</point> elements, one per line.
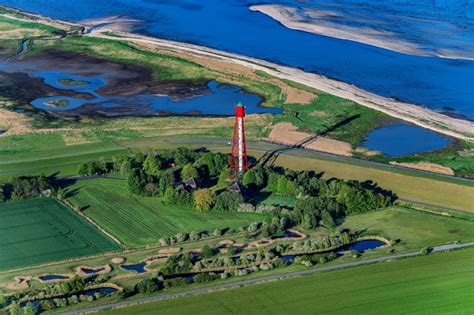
<point>246,207</point>
<point>204,277</point>
<point>146,286</point>
<point>204,199</point>
<point>228,201</point>
<point>175,282</point>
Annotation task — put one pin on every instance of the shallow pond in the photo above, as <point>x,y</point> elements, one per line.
<point>403,139</point>
<point>138,268</point>
<point>102,291</point>
<point>362,246</point>
<point>219,101</point>
<point>230,25</point>
<point>53,277</point>
<point>91,271</point>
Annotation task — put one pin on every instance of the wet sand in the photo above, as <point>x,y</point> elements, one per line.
<point>314,21</point>
<point>418,115</point>
<point>123,80</point>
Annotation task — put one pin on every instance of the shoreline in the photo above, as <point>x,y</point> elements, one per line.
<point>289,18</point>
<point>415,114</point>
<point>418,115</point>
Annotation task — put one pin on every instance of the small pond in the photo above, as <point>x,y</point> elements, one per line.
<point>288,258</point>
<point>362,246</point>
<point>403,139</point>
<point>138,268</point>
<point>90,271</point>
<point>53,277</point>
<point>103,291</point>
<point>219,101</point>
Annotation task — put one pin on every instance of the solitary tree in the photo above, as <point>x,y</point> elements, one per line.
<point>204,199</point>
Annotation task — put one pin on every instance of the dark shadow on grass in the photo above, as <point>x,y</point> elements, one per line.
<point>269,158</point>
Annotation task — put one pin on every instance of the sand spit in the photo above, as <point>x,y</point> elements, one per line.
<point>421,116</point>
<point>418,115</point>
<point>313,21</point>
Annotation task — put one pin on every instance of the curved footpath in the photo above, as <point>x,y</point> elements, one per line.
<point>434,249</point>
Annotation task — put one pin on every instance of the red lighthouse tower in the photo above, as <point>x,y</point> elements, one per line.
<point>238,158</point>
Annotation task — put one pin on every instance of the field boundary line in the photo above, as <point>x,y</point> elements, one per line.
<point>69,205</point>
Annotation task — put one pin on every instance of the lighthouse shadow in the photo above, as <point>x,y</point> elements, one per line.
<point>270,157</point>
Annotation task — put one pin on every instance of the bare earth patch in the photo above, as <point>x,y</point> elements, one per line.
<point>74,138</point>
<point>330,146</point>
<point>425,166</point>
<point>101,270</point>
<point>286,133</point>
<point>118,260</point>
<point>20,33</point>
<point>293,95</point>
<point>21,283</point>
<point>171,250</point>
<point>14,123</point>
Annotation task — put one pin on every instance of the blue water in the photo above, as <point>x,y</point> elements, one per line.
<point>102,291</point>
<point>92,271</point>
<point>402,139</point>
<point>53,277</point>
<point>362,246</point>
<point>138,268</point>
<point>220,100</point>
<point>229,25</point>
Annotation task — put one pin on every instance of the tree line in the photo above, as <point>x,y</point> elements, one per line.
<point>319,201</point>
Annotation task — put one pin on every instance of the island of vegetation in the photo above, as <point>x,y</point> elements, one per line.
<point>57,103</point>
<point>72,82</point>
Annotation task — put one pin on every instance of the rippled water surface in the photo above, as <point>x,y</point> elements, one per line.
<point>441,84</point>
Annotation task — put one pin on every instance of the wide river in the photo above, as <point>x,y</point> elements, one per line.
<point>440,84</point>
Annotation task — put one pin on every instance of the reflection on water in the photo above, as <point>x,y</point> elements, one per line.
<point>231,26</point>
<point>220,100</point>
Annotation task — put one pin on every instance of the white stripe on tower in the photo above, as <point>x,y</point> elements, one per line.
<point>241,145</point>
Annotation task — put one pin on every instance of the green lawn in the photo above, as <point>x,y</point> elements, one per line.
<point>138,220</point>
<point>42,230</point>
<point>435,284</point>
<point>414,229</point>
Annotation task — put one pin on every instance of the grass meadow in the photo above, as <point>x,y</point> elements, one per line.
<point>137,221</point>
<point>39,231</point>
<point>414,229</point>
<point>433,284</point>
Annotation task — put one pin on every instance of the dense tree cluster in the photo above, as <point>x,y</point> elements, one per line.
<point>317,201</point>
<point>25,187</point>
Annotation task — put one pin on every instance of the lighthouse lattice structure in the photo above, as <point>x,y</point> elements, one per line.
<point>238,158</point>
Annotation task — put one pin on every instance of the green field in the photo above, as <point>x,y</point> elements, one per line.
<point>39,231</point>
<point>137,221</point>
<point>415,229</point>
<point>436,284</point>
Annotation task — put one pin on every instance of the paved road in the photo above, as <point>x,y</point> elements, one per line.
<point>293,151</point>
<point>160,297</point>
